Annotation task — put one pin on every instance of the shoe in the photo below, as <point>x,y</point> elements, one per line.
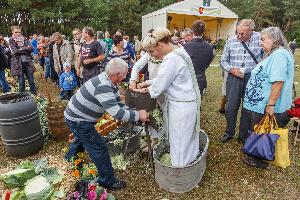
<point>118,185</point>
<point>225,138</point>
<point>253,162</point>
<point>242,140</point>
<point>222,111</point>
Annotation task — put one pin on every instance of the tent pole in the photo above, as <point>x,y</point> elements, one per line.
<point>217,29</point>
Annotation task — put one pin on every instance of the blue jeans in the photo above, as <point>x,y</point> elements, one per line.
<point>48,68</point>
<point>42,62</point>
<point>30,78</point>
<point>3,82</point>
<point>86,135</point>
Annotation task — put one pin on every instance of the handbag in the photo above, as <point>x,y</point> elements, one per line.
<point>282,157</point>
<point>261,145</point>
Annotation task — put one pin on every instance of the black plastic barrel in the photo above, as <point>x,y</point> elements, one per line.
<point>20,127</point>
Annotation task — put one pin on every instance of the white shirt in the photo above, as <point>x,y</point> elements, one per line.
<point>174,79</point>
<point>142,62</point>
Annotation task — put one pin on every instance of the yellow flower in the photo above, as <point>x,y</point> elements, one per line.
<point>80,155</point>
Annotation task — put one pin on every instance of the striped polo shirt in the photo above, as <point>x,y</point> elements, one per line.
<point>95,97</point>
<point>124,56</point>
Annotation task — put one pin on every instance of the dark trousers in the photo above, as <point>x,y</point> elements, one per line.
<point>3,82</point>
<point>250,119</point>
<point>87,74</point>
<point>282,119</point>
<point>86,134</point>
<point>235,90</point>
<point>30,78</point>
<point>53,74</point>
<point>67,94</point>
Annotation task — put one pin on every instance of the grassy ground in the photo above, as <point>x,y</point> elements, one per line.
<point>226,177</point>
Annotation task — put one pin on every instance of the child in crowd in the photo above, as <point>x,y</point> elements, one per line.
<point>67,82</point>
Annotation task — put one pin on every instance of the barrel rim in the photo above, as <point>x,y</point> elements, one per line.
<point>19,95</point>
<point>204,152</point>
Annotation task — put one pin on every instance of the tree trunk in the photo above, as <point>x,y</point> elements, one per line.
<point>287,27</point>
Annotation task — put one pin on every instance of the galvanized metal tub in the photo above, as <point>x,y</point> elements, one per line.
<point>184,179</point>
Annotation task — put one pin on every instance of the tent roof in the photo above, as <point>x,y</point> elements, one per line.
<point>190,7</point>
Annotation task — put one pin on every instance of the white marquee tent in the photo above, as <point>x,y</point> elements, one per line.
<point>220,21</point>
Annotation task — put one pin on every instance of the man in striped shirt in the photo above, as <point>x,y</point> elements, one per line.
<point>238,62</point>
<point>97,95</point>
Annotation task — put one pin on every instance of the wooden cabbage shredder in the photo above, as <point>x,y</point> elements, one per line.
<point>55,115</point>
<point>141,101</point>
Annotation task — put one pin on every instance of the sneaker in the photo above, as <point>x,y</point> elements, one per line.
<point>222,111</point>
<point>225,138</point>
<point>118,185</point>
<point>243,141</point>
<point>253,162</point>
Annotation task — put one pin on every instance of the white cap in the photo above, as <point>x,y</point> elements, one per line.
<point>66,64</point>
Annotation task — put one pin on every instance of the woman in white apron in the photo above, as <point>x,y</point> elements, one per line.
<point>176,78</point>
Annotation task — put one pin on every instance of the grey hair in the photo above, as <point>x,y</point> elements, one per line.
<point>248,23</point>
<point>116,65</point>
<point>276,35</point>
<point>187,31</point>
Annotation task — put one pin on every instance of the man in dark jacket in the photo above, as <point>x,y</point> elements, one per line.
<point>3,65</point>
<point>200,52</point>
<point>21,60</point>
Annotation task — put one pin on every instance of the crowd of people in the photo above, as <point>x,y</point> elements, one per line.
<point>87,54</point>
<point>258,66</point>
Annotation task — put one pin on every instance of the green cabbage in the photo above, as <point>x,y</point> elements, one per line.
<point>119,162</point>
<point>17,178</point>
<point>38,188</point>
<point>166,159</point>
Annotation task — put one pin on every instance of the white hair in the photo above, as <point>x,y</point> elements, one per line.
<point>276,35</point>
<point>248,23</point>
<point>187,31</point>
<point>116,65</point>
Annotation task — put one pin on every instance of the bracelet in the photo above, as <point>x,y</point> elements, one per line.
<point>271,105</point>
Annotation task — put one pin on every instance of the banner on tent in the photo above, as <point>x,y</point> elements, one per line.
<point>202,10</point>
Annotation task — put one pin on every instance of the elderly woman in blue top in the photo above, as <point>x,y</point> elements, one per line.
<point>98,95</point>
<point>269,90</point>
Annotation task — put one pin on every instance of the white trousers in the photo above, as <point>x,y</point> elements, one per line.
<point>184,142</point>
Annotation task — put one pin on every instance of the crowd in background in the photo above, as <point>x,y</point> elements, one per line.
<point>55,54</point>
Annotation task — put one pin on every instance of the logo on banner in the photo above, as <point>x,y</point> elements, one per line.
<point>201,10</point>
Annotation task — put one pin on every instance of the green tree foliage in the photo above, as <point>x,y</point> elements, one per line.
<point>47,17</point>
<point>281,13</point>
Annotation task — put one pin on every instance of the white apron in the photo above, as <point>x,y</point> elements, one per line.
<point>184,142</point>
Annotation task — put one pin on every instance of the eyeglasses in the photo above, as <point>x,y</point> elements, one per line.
<point>241,34</point>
